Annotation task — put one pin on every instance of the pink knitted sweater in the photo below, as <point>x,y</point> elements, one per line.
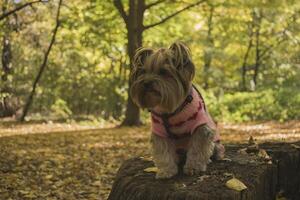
<point>185,121</point>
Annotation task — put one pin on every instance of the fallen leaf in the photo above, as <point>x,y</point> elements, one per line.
<point>24,191</point>
<point>263,154</point>
<point>236,184</point>
<point>180,185</point>
<point>243,151</point>
<point>251,140</point>
<point>201,178</point>
<point>227,159</point>
<point>151,169</point>
<point>31,195</point>
<point>44,194</point>
<point>50,176</point>
<point>96,183</point>
<point>146,158</point>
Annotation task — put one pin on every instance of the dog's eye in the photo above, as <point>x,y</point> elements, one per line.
<point>163,72</point>
<point>141,71</point>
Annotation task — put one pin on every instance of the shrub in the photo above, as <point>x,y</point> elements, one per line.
<point>261,105</point>
<point>60,109</point>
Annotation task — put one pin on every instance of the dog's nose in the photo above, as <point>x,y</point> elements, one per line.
<point>148,85</point>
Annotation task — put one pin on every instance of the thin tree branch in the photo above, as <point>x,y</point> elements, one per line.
<point>244,65</point>
<point>257,49</point>
<point>174,14</point>
<point>119,5</point>
<point>43,65</point>
<point>153,4</point>
<point>281,37</point>
<point>6,14</point>
<point>269,48</point>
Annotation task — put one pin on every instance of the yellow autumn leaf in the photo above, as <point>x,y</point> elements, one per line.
<point>151,169</point>
<point>24,192</point>
<point>49,176</point>
<point>263,154</point>
<point>146,158</point>
<point>243,151</point>
<point>96,183</point>
<point>236,184</point>
<point>31,195</point>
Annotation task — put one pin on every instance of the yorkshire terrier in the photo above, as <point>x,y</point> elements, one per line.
<point>161,81</point>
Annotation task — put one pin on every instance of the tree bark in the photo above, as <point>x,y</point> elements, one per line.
<point>244,65</point>
<point>6,57</point>
<point>257,49</point>
<point>42,67</point>
<point>208,53</point>
<point>245,60</point>
<point>8,103</point>
<point>263,179</point>
<point>6,48</point>
<point>134,25</point>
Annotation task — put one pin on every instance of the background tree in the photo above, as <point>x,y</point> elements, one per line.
<point>134,20</point>
<point>43,65</point>
<point>88,68</point>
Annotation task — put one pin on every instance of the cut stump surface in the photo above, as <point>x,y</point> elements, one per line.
<point>264,179</point>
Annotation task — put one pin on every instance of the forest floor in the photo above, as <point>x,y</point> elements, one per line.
<point>71,161</point>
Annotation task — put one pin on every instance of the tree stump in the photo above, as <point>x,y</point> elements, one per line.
<point>264,179</point>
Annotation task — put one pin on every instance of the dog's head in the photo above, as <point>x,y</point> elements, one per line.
<point>161,78</point>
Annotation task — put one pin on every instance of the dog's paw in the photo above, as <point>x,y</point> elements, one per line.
<point>219,152</point>
<point>164,174</point>
<point>194,170</point>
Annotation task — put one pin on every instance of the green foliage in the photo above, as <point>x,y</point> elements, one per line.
<point>255,106</point>
<point>88,67</point>
<point>60,109</point>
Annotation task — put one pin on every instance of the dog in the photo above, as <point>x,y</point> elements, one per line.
<point>161,81</point>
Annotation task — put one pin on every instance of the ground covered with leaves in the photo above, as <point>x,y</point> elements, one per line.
<point>49,163</point>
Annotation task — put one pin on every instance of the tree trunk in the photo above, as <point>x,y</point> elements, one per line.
<point>7,109</point>
<point>134,38</point>
<point>257,53</point>
<point>246,56</point>
<point>6,57</point>
<point>42,67</point>
<point>263,178</point>
<point>8,102</point>
<point>135,28</point>
<point>257,17</point>
<point>208,51</point>
<point>244,65</point>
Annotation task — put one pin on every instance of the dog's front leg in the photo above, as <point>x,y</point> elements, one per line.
<point>164,156</point>
<point>200,150</point>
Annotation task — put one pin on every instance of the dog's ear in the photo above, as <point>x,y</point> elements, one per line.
<point>140,57</point>
<point>181,58</point>
<point>138,62</point>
